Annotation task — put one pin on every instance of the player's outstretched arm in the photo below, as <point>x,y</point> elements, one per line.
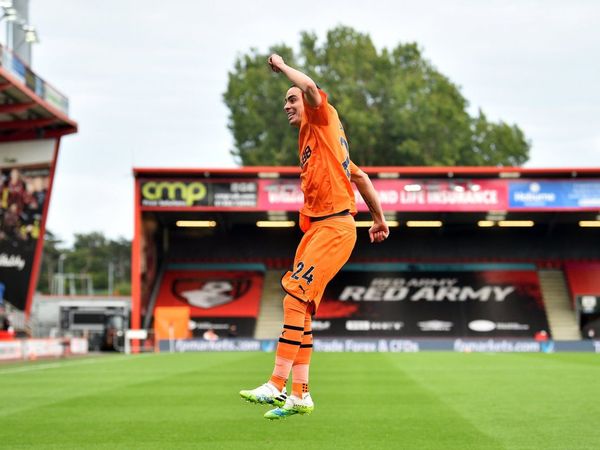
<point>379,231</point>
<point>300,79</point>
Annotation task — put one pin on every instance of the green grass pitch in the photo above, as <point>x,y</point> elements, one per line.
<point>362,401</point>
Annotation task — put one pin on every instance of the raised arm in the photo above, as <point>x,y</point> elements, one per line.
<point>379,231</point>
<point>303,81</point>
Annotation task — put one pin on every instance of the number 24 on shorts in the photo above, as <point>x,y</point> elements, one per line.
<point>306,275</point>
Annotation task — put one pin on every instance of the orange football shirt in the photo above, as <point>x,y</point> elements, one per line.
<point>325,161</point>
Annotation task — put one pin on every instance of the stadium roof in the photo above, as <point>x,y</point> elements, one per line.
<point>566,195</point>
<point>385,172</point>
<point>30,108</point>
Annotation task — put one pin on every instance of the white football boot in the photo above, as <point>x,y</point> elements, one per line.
<point>265,394</point>
<point>293,405</point>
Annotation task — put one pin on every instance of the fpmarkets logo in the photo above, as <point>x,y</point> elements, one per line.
<point>173,193</point>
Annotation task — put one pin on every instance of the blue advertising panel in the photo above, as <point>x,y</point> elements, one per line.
<point>554,194</point>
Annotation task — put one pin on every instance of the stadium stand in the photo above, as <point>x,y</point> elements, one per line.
<point>34,116</point>
<point>531,259</point>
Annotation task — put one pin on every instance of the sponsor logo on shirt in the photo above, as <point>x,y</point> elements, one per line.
<point>305,155</point>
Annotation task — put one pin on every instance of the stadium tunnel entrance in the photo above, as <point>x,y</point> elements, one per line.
<point>469,252</point>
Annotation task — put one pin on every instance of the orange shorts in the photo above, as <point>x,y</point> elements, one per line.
<point>323,250</point>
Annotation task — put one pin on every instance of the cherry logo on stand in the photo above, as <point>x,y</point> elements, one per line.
<point>209,293</point>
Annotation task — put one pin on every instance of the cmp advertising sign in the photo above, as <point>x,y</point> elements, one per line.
<point>433,195</point>
<point>194,193</point>
<point>401,195</point>
<point>286,195</point>
<point>487,303</point>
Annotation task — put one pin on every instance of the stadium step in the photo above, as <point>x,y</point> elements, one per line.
<point>270,317</point>
<point>559,310</point>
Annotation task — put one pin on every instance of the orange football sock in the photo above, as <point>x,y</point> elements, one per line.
<point>302,361</point>
<point>294,312</point>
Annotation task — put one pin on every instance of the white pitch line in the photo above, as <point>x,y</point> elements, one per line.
<point>57,365</point>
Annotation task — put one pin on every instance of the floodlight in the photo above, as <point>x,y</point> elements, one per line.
<point>516,223</point>
<point>424,223</point>
<point>486,223</point>
<point>275,223</point>
<point>31,36</point>
<point>369,223</point>
<point>589,223</point>
<point>10,15</point>
<point>196,223</point>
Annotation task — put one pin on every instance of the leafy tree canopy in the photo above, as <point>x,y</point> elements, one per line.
<point>396,107</point>
<point>91,254</point>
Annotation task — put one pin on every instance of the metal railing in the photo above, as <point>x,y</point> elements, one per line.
<point>44,90</point>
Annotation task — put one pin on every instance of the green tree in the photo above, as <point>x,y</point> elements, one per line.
<point>50,258</point>
<point>91,254</point>
<point>397,108</point>
<point>255,99</point>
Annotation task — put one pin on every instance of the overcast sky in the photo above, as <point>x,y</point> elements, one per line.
<point>145,79</point>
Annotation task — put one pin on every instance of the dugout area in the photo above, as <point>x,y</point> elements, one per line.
<point>473,252</point>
